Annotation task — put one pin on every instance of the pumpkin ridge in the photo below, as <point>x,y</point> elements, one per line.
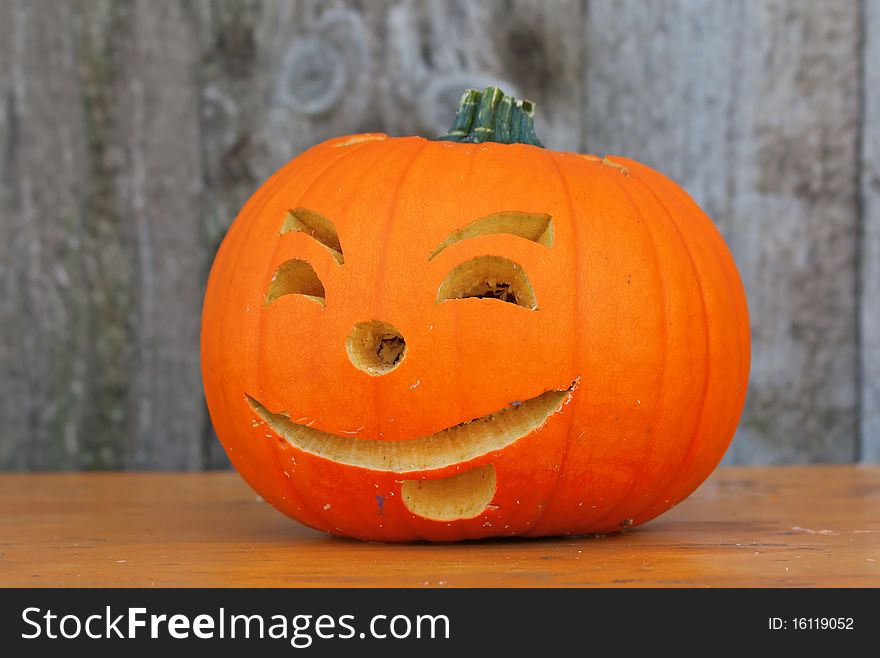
<point>573,225</point>
<point>614,176</point>
<point>473,164</point>
<point>742,383</point>
<point>237,261</point>
<point>734,287</point>
<point>306,501</point>
<point>362,527</point>
<point>380,405</point>
<point>692,442</point>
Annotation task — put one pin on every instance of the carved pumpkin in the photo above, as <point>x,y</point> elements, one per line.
<point>473,337</point>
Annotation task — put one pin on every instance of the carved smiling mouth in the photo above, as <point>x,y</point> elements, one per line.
<point>463,495</point>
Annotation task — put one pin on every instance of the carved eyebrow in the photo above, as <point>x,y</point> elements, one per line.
<point>317,227</point>
<point>537,227</point>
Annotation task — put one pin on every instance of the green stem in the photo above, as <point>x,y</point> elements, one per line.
<point>493,116</point>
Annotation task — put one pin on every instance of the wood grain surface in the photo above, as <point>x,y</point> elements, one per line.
<point>746,104</point>
<point>869,264</point>
<point>132,132</point>
<point>783,526</point>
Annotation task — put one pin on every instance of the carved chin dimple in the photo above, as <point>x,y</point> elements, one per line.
<point>461,496</point>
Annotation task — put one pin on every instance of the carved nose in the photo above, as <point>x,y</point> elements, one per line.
<point>375,347</point>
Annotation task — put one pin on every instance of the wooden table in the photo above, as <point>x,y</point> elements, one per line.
<point>788,526</point>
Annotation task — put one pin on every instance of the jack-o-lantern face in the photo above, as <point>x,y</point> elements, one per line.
<point>407,339</point>
<point>378,348</point>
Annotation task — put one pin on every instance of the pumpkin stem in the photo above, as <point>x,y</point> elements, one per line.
<point>493,116</point>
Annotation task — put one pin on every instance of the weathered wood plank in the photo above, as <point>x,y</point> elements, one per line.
<point>437,49</point>
<point>157,117</point>
<point>66,267</point>
<point>753,107</point>
<point>870,256</point>
<point>100,180</point>
<point>318,70</point>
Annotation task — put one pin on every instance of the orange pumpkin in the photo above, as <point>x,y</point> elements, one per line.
<point>473,337</point>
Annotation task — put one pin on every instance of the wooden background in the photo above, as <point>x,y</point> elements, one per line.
<point>132,132</point>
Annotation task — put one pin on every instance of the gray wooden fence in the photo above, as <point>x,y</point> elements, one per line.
<point>132,132</point>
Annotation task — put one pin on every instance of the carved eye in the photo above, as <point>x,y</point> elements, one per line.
<point>295,277</point>
<point>489,277</point>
